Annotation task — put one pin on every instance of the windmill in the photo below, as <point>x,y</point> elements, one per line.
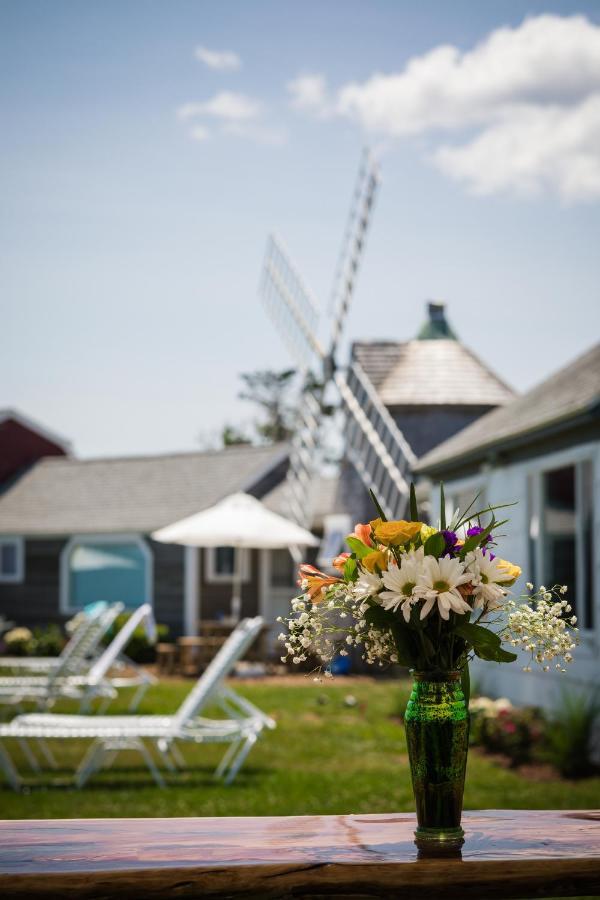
<point>373,442</point>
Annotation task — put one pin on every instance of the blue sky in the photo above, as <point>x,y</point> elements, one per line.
<point>139,183</point>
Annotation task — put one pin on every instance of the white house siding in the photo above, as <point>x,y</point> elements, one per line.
<point>503,484</point>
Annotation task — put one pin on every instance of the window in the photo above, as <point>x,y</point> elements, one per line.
<point>12,563</point>
<point>108,568</point>
<point>283,570</point>
<point>562,542</point>
<point>220,564</point>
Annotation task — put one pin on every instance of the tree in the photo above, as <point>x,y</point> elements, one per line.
<point>271,391</point>
<point>232,436</point>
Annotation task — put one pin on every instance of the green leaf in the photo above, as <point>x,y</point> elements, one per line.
<point>350,568</point>
<point>435,545</point>
<point>485,643</point>
<point>481,512</point>
<point>382,515</point>
<point>465,683</point>
<point>477,634</point>
<point>414,512</point>
<point>442,507</point>
<point>358,547</point>
<point>494,654</point>
<point>463,516</point>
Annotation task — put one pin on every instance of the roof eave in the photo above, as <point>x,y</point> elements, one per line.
<point>484,452</point>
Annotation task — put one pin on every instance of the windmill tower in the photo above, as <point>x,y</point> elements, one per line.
<point>374,443</point>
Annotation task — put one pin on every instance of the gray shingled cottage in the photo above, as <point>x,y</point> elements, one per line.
<point>543,449</point>
<point>74,531</point>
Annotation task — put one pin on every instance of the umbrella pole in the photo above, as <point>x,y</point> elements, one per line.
<point>236,598</point>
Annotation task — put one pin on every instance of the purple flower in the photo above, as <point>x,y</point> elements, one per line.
<point>475,529</point>
<point>451,540</point>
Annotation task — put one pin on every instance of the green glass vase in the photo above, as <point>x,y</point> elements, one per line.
<point>437,734</point>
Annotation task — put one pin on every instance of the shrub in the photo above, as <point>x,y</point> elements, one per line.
<point>19,642</point>
<point>47,641</point>
<point>139,649</point>
<point>500,727</point>
<point>570,735</point>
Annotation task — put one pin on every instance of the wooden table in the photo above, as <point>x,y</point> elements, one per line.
<point>506,854</point>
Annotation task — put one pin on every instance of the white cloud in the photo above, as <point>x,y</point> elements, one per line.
<point>533,149</point>
<point>309,92</point>
<point>224,105</point>
<point>221,60</point>
<point>528,98</point>
<point>200,133</point>
<point>235,115</point>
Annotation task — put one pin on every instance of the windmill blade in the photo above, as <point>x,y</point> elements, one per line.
<point>304,455</point>
<point>352,246</point>
<point>290,305</point>
<point>374,443</point>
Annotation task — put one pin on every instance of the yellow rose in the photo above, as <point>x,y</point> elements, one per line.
<point>393,533</point>
<point>377,558</point>
<point>512,571</point>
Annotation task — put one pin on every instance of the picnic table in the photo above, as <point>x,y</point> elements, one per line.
<point>507,853</point>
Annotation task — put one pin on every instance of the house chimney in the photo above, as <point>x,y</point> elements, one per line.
<point>436,327</point>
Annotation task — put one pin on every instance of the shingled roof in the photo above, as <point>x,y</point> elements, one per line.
<point>573,393</point>
<point>435,369</point>
<point>60,496</point>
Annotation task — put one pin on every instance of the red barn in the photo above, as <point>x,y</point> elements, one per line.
<point>23,442</point>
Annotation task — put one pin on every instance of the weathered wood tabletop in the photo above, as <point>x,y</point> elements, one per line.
<point>506,854</point>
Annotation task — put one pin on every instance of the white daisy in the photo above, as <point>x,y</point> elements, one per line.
<point>487,577</point>
<point>401,582</point>
<point>438,583</point>
<point>367,584</point>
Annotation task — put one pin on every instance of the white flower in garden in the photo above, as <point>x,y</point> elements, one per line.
<point>487,577</point>
<point>368,583</point>
<point>401,582</point>
<point>438,583</point>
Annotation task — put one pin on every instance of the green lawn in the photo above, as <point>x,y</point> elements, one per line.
<point>324,757</point>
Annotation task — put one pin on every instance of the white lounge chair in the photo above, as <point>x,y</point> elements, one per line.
<point>43,665</point>
<point>111,734</point>
<point>97,681</point>
<point>44,689</point>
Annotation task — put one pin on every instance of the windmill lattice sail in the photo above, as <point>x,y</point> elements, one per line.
<point>353,245</point>
<point>374,444</point>
<point>290,305</point>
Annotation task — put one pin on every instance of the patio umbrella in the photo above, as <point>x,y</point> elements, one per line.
<point>238,521</point>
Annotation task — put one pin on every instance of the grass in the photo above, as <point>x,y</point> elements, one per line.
<point>324,757</point>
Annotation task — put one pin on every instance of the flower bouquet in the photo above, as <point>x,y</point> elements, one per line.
<point>429,598</point>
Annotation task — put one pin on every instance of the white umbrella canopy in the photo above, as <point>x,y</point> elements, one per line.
<point>239,521</point>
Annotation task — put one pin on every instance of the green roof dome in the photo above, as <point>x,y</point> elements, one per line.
<point>436,327</point>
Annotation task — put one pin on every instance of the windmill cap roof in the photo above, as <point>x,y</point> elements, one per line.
<point>430,372</point>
